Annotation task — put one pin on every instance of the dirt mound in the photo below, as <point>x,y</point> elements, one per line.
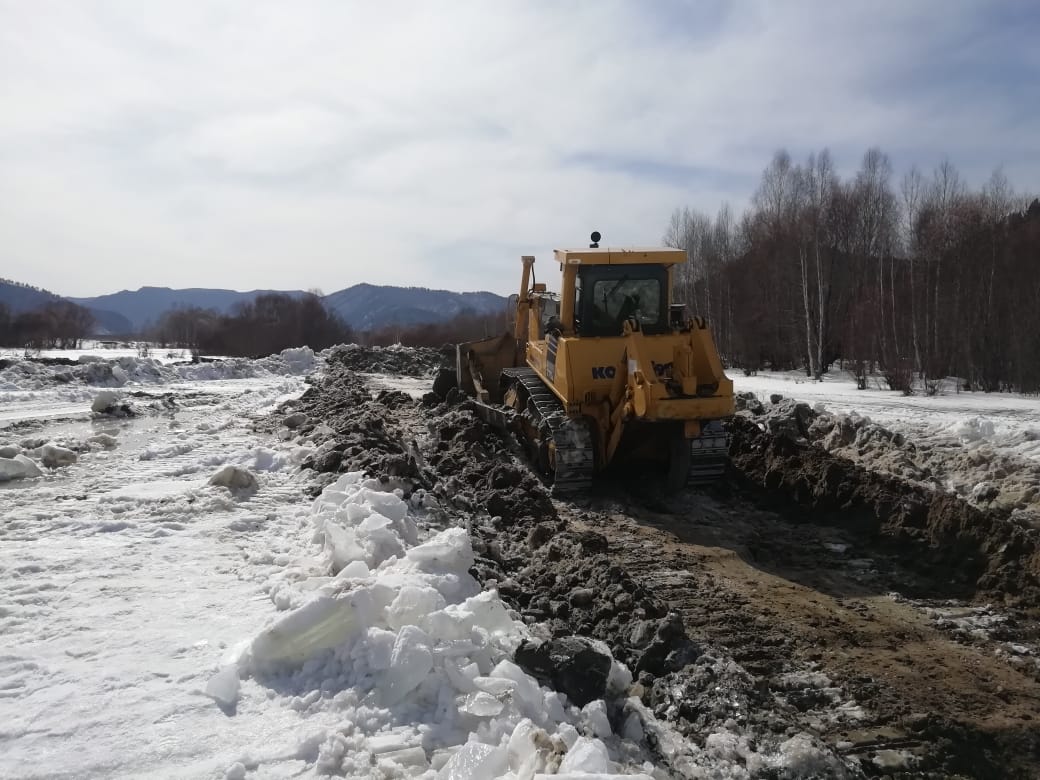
<point>981,550</point>
<point>970,467</point>
<point>403,361</point>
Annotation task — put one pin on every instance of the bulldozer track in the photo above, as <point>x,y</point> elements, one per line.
<point>575,459</point>
<point>575,454</point>
<point>709,454</point>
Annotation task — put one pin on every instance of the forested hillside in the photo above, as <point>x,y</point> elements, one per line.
<point>916,275</point>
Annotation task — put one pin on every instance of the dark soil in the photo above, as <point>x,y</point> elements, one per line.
<point>974,552</point>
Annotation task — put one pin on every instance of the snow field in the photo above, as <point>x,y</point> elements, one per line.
<point>95,370</point>
<point>403,657</point>
<point>1003,422</point>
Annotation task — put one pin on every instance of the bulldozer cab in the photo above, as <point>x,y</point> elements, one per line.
<point>608,296</point>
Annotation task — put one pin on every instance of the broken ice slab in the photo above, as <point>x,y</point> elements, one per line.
<point>324,622</point>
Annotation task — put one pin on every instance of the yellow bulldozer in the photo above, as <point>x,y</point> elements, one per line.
<point>607,369</point>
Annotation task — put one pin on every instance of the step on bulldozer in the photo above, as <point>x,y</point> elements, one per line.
<point>606,370</point>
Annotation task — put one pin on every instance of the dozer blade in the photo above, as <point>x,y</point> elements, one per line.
<point>479,364</point>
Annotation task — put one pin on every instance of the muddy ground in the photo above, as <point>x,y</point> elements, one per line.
<point>897,628</point>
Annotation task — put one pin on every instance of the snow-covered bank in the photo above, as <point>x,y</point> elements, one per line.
<point>1005,422</point>
<point>95,371</point>
<point>985,447</point>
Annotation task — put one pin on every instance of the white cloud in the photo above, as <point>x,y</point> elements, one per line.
<point>323,143</point>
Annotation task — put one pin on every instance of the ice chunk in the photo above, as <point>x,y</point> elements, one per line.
<point>489,612</point>
<point>412,605</point>
<point>354,570</point>
<point>410,662</point>
<point>237,771</point>
<point>104,401</point>
<point>18,467</point>
<point>374,522</point>
<point>342,547</point>
<point>633,728</point>
<point>9,451</point>
<point>586,755</point>
<point>449,550</point>
<point>234,478</point>
<point>527,693</point>
<point>619,678</point>
<point>380,544</point>
<point>413,757</point>
<point>324,622</point>
<point>379,648</point>
<point>530,749</point>
<point>54,456</point>
<point>391,742</point>
<point>459,677</point>
<point>356,513</point>
<point>496,686</point>
<point>386,504</point>
<point>475,761</point>
<point>223,687</point>
<point>480,704</point>
<point>596,721</point>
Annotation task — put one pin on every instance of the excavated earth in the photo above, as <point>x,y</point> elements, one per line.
<point>804,594</point>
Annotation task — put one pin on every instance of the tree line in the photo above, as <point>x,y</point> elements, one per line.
<point>266,325</point>
<point>55,325</point>
<point>916,277</point>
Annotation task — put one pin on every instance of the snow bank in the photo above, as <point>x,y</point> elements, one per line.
<point>400,648</point>
<point>133,370</point>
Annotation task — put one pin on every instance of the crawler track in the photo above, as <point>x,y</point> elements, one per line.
<point>573,458</point>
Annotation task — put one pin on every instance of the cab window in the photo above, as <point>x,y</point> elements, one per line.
<point>610,295</point>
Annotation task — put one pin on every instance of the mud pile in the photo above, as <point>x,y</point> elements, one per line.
<point>975,471</point>
<point>402,361</point>
<point>982,552</point>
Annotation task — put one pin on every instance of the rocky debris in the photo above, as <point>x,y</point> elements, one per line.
<point>403,361</point>
<point>18,467</point>
<point>570,664</point>
<point>444,382</point>
<point>979,550</point>
<point>295,420</point>
<point>235,479</point>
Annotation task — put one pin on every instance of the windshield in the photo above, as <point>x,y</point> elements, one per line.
<point>615,300</point>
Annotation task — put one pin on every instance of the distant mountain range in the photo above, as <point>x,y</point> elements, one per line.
<point>19,298</point>
<point>146,305</point>
<point>363,306</point>
<point>367,306</point>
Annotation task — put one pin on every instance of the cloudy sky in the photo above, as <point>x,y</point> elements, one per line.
<point>322,143</point>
